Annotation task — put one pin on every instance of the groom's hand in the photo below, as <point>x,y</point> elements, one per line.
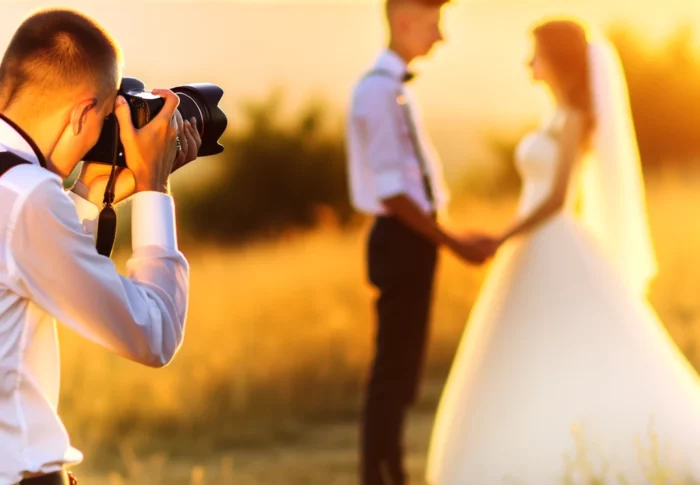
<point>488,244</point>
<point>469,249</point>
<point>476,248</point>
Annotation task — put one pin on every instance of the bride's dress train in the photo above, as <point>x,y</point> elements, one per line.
<point>559,353</point>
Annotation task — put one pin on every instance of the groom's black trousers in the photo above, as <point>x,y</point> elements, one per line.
<point>402,267</point>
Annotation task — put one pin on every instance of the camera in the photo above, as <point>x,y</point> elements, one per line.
<point>199,101</point>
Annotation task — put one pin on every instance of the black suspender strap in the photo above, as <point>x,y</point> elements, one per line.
<point>27,138</point>
<point>9,160</point>
<point>107,225</point>
<point>420,155</point>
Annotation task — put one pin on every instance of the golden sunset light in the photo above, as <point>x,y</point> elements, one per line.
<point>505,286</point>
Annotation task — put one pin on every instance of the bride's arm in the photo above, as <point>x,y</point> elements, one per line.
<point>569,148</point>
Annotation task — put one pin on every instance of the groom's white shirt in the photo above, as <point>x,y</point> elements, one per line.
<point>381,159</point>
<point>49,268</point>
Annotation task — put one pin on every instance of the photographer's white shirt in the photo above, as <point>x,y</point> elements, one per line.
<point>382,162</point>
<point>49,268</point>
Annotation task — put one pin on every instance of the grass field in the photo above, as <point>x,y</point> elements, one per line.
<point>267,386</point>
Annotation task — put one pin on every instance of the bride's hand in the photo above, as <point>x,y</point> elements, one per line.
<point>489,244</point>
<point>468,247</point>
<point>481,247</point>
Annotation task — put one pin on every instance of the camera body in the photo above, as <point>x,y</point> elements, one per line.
<point>198,101</point>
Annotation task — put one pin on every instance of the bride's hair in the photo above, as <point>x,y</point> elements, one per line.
<point>565,45</point>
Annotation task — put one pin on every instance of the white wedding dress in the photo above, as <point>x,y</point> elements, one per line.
<point>559,356</point>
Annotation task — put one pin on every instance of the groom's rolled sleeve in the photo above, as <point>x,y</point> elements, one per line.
<point>384,131</point>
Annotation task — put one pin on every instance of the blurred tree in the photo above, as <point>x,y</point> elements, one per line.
<point>273,178</point>
<point>664,87</point>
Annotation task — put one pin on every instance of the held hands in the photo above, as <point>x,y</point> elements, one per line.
<point>488,244</point>
<point>476,248</point>
<point>151,154</point>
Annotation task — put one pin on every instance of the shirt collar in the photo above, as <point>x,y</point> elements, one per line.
<point>17,141</point>
<point>390,61</point>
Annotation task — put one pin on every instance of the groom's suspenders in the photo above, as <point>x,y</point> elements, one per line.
<point>403,102</point>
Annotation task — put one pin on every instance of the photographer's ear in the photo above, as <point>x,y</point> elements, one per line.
<point>80,114</point>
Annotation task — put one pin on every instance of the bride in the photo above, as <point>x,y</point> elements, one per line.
<point>565,375</point>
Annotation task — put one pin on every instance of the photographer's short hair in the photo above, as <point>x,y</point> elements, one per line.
<point>55,50</point>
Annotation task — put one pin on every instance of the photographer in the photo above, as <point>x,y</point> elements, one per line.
<point>59,79</point>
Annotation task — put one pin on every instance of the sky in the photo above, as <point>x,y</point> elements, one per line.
<point>474,83</point>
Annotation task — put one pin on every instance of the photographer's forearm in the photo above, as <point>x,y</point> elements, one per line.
<point>410,214</point>
<point>152,182</point>
<point>141,317</point>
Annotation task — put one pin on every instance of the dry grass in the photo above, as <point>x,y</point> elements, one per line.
<point>280,335</point>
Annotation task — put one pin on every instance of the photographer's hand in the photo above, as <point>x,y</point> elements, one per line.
<point>150,151</point>
<point>190,140</point>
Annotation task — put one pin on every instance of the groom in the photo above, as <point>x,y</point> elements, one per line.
<point>396,176</point>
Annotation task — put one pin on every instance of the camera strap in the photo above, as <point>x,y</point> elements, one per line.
<point>107,222</point>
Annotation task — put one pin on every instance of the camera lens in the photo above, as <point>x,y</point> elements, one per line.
<point>189,109</point>
<point>200,101</point>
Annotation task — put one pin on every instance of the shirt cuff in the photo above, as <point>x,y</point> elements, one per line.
<point>153,221</point>
<point>389,183</point>
<point>87,212</point>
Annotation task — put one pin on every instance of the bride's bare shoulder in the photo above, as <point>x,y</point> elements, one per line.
<point>573,114</point>
<point>572,119</point>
